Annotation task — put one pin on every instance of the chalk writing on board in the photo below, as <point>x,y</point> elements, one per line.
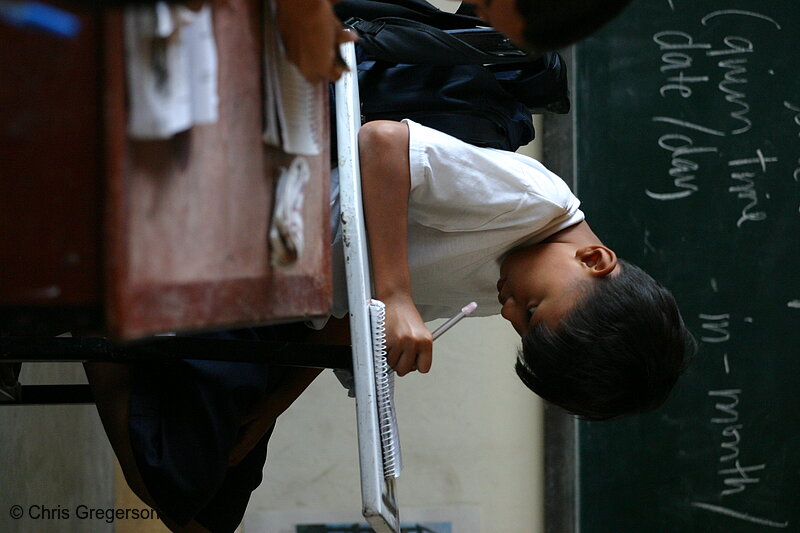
<point>735,476</point>
<point>719,509</point>
<point>676,46</point>
<point>735,71</point>
<point>682,168</point>
<point>717,324</point>
<point>689,125</point>
<point>723,12</point>
<point>794,107</point>
<point>716,327</point>
<point>693,147</point>
<point>745,173</point>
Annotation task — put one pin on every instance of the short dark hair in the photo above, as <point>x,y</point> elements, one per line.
<point>618,352</point>
<point>554,24</point>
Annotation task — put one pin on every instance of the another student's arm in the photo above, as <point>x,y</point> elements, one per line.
<point>311,33</point>
<point>386,182</point>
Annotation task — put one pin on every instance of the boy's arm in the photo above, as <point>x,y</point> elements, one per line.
<point>385,183</point>
<point>311,35</point>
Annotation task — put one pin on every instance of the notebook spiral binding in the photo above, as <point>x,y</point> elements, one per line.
<point>384,392</point>
<point>292,103</point>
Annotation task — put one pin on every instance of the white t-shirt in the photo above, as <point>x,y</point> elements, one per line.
<point>468,207</point>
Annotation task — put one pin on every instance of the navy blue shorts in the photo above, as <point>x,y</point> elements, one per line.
<point>184,419</point>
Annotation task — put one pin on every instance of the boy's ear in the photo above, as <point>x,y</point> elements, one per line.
<point>600,261</point>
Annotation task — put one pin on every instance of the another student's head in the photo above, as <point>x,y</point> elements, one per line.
<point>600,337</point>
<point>542,25</point>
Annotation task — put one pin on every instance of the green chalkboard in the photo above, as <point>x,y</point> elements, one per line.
<point>687,158</point>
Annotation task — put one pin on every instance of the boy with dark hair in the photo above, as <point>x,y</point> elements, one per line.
<point>602,339</point>
<point>544,25</point>
<point>619,351</point>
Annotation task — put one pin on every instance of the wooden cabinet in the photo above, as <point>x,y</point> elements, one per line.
<point>132,237</point>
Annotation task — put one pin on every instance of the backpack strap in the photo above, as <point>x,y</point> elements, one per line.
<point>418,10</point>
<point>398,40</point>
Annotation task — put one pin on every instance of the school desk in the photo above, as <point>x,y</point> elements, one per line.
<point>101,233</point>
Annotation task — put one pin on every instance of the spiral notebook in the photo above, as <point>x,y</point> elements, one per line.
<point>292,105</point>
<point>384,393</point>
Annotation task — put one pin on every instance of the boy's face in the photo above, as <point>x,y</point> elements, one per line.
<point>542,283</point>
<point>503,15</point>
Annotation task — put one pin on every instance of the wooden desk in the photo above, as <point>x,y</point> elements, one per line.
<point>135,238</point>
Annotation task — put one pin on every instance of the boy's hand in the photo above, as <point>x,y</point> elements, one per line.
<point>409,343</point>
<point>311,34</point>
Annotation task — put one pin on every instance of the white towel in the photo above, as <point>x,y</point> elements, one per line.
<point>286,234</point>
<point>171,63</point>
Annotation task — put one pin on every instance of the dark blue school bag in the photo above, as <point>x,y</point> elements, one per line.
<point>469,82</point>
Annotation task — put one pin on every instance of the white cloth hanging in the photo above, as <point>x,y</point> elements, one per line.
<point>286,232</point>
<point>171,65</point>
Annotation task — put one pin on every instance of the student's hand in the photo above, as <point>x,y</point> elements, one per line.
<point>408,340</point>
<point>311,34</point>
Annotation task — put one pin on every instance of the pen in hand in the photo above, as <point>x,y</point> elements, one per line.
<point>465,311</point>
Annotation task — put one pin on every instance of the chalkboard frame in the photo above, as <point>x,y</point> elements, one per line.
<point>560,428</point>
